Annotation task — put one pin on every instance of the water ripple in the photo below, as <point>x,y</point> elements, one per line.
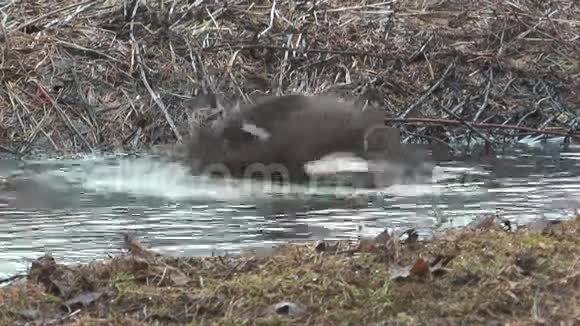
<point>78,209</point>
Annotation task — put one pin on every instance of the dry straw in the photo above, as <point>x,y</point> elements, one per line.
<point>124,75</point>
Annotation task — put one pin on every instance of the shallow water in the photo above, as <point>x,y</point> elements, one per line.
<point>77,210</point>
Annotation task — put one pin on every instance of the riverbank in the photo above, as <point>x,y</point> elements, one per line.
<point>483,274</point>
<point>107,76</point>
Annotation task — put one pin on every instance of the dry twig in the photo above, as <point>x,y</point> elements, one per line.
<point>131,71</point>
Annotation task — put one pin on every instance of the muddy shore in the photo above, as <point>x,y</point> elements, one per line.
<point>486,274</point>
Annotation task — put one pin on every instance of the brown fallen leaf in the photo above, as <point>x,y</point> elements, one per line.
<point>366,245</point>
<point>58,280</point>
<point>420,268</point>
<point>525,263</point>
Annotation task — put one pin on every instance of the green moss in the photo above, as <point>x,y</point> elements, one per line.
<point>538,241</point>
<point>404,319</point>
<point>458,308</point>
<point>476,265</point>
<point>303,281</point>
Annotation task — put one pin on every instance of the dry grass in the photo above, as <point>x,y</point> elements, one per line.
<point>482,275</point>
<point>111,76</point>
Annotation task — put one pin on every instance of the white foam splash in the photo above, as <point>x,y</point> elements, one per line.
<point>150,177</point>
<point>337,163</point>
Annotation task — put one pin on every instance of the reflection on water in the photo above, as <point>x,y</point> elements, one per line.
<point>77,210</point>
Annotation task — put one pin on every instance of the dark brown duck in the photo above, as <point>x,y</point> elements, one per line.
<point>284,133</point>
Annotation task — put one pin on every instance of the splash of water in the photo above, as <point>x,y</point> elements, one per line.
<point>151,177</point>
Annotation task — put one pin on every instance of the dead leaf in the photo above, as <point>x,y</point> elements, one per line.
<point>320,247</point>
<point>112,105</point>
<point>525,263</point>
<point>136,248</point>
<point>287,308</point>
<point>178,277</point>
<point>399,272</point>
<point>522,63</point>
<point>365,245</point>
<point>29,314</point>
<point>164,274</point>
<point>420,268</point>
<point>437,266</point>
<point>570,280</point>
<point>483,223</point>
<point>56,279</point>
<point>65,281</point>
<point>384,236</point>
<point>539,226</point>
<point>82,300</point>
<point>442,260</point>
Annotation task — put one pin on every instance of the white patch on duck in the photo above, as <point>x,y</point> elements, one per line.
<point>336,163</point>
<point>251,128</point>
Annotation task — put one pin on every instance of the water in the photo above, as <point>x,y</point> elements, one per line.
<point>77,210</point>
